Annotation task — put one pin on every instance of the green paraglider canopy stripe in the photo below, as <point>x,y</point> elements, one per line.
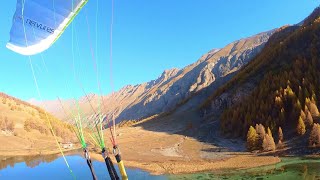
<point>71,19</point>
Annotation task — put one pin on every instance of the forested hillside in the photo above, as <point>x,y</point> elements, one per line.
<point>21,119</point>
<point>285,78</point>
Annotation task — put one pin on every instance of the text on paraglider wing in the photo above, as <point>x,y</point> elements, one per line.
<point>36,24</point>
<point>40,26</point>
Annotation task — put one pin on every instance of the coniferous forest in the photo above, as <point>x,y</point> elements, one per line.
<point>286,75</point>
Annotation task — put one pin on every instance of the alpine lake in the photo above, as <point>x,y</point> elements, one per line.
<point>54,167</point>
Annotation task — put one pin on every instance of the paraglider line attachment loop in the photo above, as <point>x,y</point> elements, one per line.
<point>104,153</point>
<point>86,154</point>
<point>116,150</point>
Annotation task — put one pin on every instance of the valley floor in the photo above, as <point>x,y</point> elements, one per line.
<point>163,153</point>
<point>158,146</point>
<point>157,152</point>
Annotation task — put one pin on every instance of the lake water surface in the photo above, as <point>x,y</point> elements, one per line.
<point>293,168</point>
<point>53,167</point>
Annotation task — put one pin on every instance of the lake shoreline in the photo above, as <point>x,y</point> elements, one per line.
<point>239,161</point>
<point>171,167</point>
<point>35,152</point>
<point>253,166</point>
<point>164,153</point>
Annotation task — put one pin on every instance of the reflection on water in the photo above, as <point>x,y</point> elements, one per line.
<point>54,167</point>
<point>289,168</point>
<point>30,161</point>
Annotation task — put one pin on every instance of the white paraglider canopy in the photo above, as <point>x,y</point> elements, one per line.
<point>37,24</point>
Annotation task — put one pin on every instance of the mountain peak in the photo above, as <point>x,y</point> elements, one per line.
<point>165,76</point>
<point>214,50</point>
<point>312,17</point>
<point>169,72</point>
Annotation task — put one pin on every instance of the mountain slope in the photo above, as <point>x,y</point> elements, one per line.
<point>277,87</point>
<point>24,126</point>
<point>175,86</point>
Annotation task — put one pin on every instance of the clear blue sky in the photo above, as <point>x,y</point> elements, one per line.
<point>149,37</point>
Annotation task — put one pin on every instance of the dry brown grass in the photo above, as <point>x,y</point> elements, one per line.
<point>18,112</point>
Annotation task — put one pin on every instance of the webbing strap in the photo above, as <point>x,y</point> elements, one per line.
<point>86,155</point>
<point>112,171</point>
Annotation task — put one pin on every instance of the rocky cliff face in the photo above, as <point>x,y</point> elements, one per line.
<point>175,86</point>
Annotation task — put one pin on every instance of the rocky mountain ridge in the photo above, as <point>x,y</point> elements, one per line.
<point>174,87</point>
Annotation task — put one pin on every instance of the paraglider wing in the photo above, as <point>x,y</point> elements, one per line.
<point>37,24</point>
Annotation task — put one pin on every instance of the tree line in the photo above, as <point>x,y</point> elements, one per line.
<point>287,91</point>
